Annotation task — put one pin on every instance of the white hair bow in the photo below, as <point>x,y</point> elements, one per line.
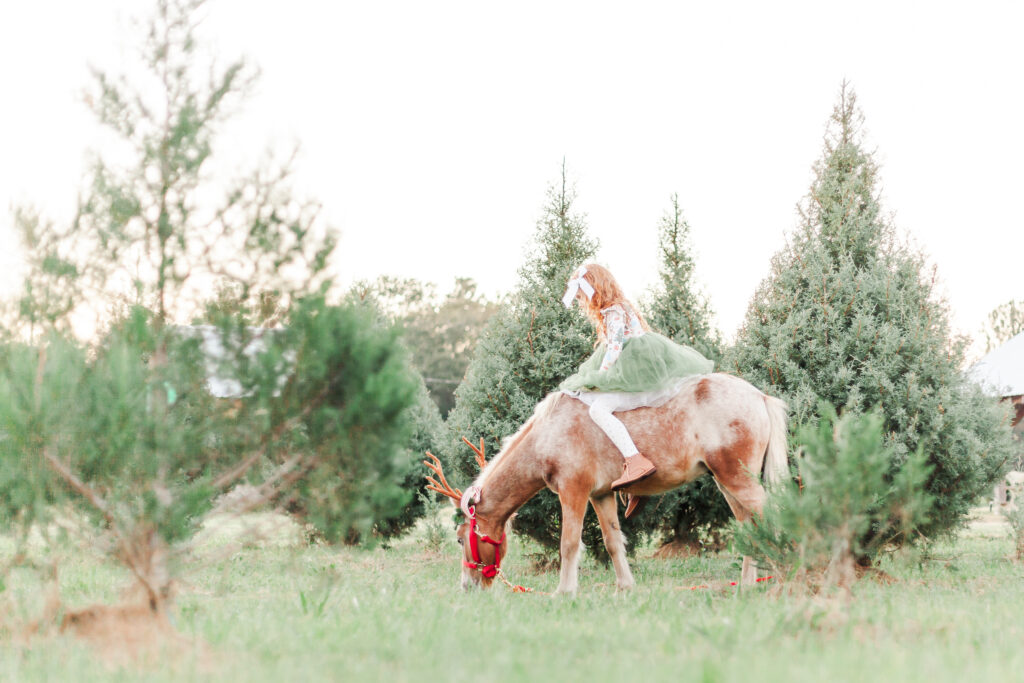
<point>576,283</point>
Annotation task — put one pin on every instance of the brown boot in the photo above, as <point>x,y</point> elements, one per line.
<point>633,503</point>
<point>637,468</point>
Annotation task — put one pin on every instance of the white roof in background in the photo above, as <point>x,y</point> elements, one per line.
<point>1001,371</point>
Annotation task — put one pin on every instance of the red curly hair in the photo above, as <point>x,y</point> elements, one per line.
<point>607,292</point>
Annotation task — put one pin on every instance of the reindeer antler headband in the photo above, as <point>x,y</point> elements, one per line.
<point>441,485</point>
<point>576,283</point>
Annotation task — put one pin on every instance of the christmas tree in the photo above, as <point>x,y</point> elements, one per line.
<point>849,316</point>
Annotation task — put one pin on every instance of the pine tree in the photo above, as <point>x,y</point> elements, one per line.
<point>124,425</point>
<point>527,349</point>
<point>679,311</point>
<point>676,308</point>
<point>849,316</point>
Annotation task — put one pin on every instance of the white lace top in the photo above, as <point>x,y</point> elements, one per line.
<point>620,325</point>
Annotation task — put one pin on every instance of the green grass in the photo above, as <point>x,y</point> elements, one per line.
<point>317,613</point>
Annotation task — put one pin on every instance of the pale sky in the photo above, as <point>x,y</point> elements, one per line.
<point>430,130</point>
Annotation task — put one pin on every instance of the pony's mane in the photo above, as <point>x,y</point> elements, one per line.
<point>510,442</point>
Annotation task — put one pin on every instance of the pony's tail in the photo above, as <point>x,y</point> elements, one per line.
<point>776,462</point>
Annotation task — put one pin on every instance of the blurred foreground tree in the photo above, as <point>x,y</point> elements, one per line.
<point>232,300</point>
<point>127,427</point>
<point>849,316</point>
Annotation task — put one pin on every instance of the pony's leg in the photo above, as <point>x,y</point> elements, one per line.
<point>750,500</point>
<point>574,506</point>
<point>608,516</point>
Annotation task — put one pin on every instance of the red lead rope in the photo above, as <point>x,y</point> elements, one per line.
<point>732,583</point>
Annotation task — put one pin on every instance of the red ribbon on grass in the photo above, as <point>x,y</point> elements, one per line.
<point>732,583</point>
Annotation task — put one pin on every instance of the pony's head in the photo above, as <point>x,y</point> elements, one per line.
<point>482,547</point>
<point>482,552</point>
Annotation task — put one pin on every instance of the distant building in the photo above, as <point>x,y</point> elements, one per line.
<point>1001,373</point>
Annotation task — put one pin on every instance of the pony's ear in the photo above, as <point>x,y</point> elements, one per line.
<point>511,519</point>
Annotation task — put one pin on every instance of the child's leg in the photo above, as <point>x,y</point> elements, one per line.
<point>601,414</point>
<point>636,466</point>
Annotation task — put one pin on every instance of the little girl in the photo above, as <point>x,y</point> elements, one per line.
<point>632,366</point>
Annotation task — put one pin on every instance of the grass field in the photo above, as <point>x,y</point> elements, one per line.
<point>281,612</point>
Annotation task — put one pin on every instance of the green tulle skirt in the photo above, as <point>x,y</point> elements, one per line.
<point>650,362</point>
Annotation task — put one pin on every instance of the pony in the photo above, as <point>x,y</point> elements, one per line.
<point>716,423</point>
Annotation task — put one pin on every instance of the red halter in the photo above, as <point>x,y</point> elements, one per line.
<point>489,570</point>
